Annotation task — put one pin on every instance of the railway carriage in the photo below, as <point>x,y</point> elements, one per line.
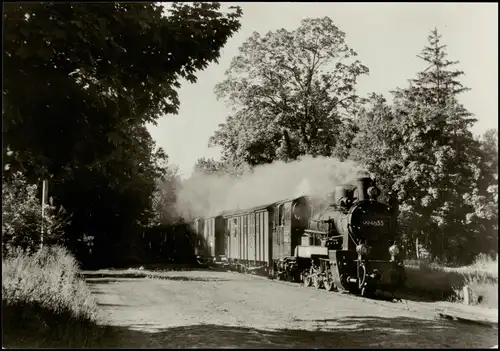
<point>262,236</point>
<point>247,239</point>
<point>209,233</point>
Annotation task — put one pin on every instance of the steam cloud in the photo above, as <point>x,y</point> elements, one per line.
<point>205,195</point>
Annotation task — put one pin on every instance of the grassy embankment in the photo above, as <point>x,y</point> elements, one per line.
<point>430,280</point>
<point>45,303</point>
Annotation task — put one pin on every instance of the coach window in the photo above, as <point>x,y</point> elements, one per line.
<point>281,215</point>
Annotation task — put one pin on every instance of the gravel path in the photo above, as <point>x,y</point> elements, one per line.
<point>221,309</point>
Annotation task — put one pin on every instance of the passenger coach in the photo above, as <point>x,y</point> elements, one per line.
<point>254,237</point>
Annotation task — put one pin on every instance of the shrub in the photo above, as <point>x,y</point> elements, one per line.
<point>22,216</point>
<point>44,301</point>
<point>428,279</point>
<point>482,279</point>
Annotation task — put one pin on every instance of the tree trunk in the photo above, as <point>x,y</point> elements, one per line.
<point>288,144</point>
<point>305,139</point>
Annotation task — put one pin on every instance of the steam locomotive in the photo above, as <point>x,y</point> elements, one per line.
<point>345,241</point>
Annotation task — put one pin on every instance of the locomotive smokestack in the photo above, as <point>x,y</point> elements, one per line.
<point>363,184</point>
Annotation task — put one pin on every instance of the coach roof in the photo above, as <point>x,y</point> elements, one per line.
<point>248,210</point>
<point>227,214</point>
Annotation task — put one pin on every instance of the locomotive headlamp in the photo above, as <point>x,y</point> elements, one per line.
<point>373,192</point>
<point>362,249</point>
<point>394,250</point>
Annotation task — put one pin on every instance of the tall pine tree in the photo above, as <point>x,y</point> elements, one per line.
<point>437,83</point>
<point>422,149</point>
<point>439,155</point>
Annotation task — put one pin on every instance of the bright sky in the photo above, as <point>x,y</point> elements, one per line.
<point>387,38</point>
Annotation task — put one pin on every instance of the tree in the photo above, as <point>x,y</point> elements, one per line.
<point>422,147</point>
<point>483,199</point>
<point>208,165</point>
<point>291,93</point>
<point>439,155</point>
<point>82,80</point>
<point>112,200</point>
<point>165,198</point>
<point>436,84</point>
<point>80,73</point>
<point>377,141</point>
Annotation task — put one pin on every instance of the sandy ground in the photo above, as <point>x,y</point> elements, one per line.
<point>223,309</point>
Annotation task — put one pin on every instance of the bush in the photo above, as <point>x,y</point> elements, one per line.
<point>428,279</point>
<point>44,301</point>
<point>22,216</point>
<point>482,279</point>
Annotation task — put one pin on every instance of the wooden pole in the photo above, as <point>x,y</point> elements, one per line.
<point>416,248</point>
<point>45,189</point>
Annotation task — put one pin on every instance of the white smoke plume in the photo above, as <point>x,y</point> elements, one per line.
<point>205,195</point>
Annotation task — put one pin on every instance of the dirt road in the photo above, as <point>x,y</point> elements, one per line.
<point>223,309</point>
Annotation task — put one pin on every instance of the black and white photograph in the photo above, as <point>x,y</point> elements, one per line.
<point>252,175</point>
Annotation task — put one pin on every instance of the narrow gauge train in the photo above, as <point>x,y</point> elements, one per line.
<point>345,241</point>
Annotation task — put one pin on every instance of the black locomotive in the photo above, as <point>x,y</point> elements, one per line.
<point>345,241</point>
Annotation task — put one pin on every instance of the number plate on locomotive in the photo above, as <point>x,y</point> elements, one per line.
<point>373,223</point>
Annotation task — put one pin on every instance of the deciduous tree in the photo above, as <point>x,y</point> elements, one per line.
<point>291,93</point>
<point>76,75</point>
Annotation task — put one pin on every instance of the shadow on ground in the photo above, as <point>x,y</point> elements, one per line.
<point>348,332</point>
<point>103,278</point>
<point>425,296</point>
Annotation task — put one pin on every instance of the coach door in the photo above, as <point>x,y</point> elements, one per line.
<point>287,229</point>
<point>279,231</point>
<point>251,238</point>
<point>262,237</point>
<point>227,237</point>
<point>234,238</point>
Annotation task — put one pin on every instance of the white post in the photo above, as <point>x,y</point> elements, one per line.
<point>417,248</point>
<point>467,295</point>
<point>45,190</point>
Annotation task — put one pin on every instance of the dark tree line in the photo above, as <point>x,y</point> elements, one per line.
<point>81,80</point>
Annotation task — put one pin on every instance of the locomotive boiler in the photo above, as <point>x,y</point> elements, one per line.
<point>350,243</point>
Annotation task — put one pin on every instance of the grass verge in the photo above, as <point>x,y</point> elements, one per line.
<point>45,303</point>
<point>429,280</point>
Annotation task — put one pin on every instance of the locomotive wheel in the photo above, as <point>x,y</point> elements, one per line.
<point>317,282</point>
<point>328,280</point>
<point>329,285</point>
<point>307,280</point>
